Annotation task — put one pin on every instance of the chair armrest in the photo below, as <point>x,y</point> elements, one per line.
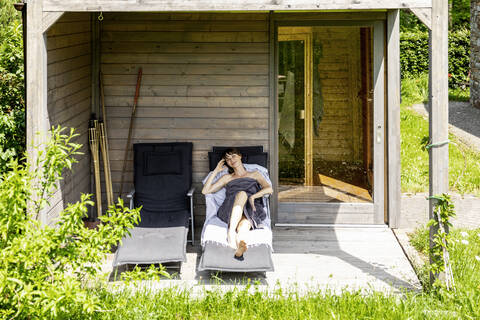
<point>130,194</point>
<point>190,192</point>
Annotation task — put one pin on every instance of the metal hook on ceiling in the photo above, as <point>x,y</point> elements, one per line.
<point>100,16</point>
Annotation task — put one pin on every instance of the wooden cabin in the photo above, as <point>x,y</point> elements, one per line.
<point>316,83</point>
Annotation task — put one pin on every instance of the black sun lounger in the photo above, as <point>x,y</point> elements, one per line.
<point>216,253</point>
<point>163,180</point>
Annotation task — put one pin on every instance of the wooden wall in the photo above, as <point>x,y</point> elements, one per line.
<point>340,132</point>
<point>69,94</point>
<point>205,80</point>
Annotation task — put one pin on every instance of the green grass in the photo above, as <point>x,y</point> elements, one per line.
<point>250,303</point>
<point>414,156</point>
<point>459,94</point>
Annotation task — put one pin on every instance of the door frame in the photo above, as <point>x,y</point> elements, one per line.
<point>308,100</point>
<point>379,95</point>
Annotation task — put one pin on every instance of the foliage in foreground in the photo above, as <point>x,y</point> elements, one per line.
<point>464,250</point>
<point>12,90</point>
<point>44,270</point>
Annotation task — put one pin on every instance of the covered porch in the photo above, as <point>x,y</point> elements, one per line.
<point>211,77</point>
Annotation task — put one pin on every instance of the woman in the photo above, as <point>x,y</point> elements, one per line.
<point>242,209</point>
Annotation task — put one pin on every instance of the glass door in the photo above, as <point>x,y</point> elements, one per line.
<point>294,106</point>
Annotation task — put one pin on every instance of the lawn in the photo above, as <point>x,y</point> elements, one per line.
<point>464,162</point>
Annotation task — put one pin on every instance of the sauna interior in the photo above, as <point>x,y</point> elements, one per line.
<point>325,114</point>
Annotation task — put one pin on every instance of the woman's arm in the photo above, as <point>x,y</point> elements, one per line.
<point>208,187</point>
<point>266,188</point>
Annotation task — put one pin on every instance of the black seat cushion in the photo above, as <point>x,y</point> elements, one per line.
<point>156,163</point>
<point>246,150</point>
<point>162,177</point>
<point>250,155</point>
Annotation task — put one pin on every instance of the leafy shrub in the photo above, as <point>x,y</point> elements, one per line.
<point>414,59</point>
<point>45,271</point>
<point>12,90</point>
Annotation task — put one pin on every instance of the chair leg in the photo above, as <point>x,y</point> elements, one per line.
<point>192,221</point>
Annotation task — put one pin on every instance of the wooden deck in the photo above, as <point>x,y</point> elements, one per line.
<point>308,259</point>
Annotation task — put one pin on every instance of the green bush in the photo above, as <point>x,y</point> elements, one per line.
<point>414,59</point>
<point>12,104</point>
<point>48,272</point>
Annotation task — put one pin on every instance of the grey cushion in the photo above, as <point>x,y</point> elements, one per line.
<point>152,245</point>
<point>218,257</point>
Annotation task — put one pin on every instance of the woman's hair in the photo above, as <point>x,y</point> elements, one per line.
<point>230,151</point>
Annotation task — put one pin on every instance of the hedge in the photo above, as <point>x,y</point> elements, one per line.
<point>414,55</point>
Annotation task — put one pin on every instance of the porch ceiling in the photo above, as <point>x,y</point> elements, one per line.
<point>222,5</point>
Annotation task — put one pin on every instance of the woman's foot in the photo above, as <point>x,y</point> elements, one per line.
<point>231,238</point>
<point>242,247</point>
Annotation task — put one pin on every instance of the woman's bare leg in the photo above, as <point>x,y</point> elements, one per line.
<point>243,227</point>
<point>237,213</point>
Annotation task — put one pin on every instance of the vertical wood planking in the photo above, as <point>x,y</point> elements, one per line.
<point>69,94</point>
<point>378,121</point>
<point>393,96</point>
<point>205,80</point>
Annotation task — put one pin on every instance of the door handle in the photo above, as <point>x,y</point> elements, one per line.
<point>379,133</point>
<point>301,114</point>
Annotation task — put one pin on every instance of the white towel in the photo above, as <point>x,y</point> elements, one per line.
<point>215,230</point>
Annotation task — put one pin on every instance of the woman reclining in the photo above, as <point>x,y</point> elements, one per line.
<point>242,209</point>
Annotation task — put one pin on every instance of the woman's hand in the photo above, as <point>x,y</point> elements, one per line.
<point>251,199</point>
<point>220,166</point>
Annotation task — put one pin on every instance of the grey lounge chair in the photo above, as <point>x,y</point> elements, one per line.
<point>216,253</point>
<point>163,180</point>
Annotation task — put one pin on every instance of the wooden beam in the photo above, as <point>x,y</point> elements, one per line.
<point>222,5</point>
<point>438,117</point>
<point>393,117</point>
<point>379,122</point>
<point>424,14</point>
<point>272,114</point>
<point>36,90</point>
<point>49,18</point>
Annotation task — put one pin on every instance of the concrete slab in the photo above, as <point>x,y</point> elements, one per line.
<point>311,259</point>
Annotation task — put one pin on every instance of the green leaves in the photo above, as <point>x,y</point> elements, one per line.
<point>414,55</point>
<point>46,271</point>
<point>12,90</point>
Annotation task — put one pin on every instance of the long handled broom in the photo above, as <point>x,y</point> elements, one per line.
<point>94,142</point>
<point>104,147</point>
<point>132,117</point>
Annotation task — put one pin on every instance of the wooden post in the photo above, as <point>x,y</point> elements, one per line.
<point>38,122</point>
<point>438,118</point>
<point>378,121</point>
<point>393,117</point>
<point>272,127</point>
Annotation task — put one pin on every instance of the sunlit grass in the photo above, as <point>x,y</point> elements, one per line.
<point>464,174</point>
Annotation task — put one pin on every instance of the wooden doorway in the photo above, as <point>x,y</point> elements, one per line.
<point>325,122</point>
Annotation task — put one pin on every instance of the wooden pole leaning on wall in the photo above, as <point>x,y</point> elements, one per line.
<point>105,148</point>
<point>106,163</point>
<point>94,145</point>
<point>130,129</point>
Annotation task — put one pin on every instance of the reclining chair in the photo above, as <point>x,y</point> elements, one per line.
<point>163,187</point>
<point>217,255</point>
